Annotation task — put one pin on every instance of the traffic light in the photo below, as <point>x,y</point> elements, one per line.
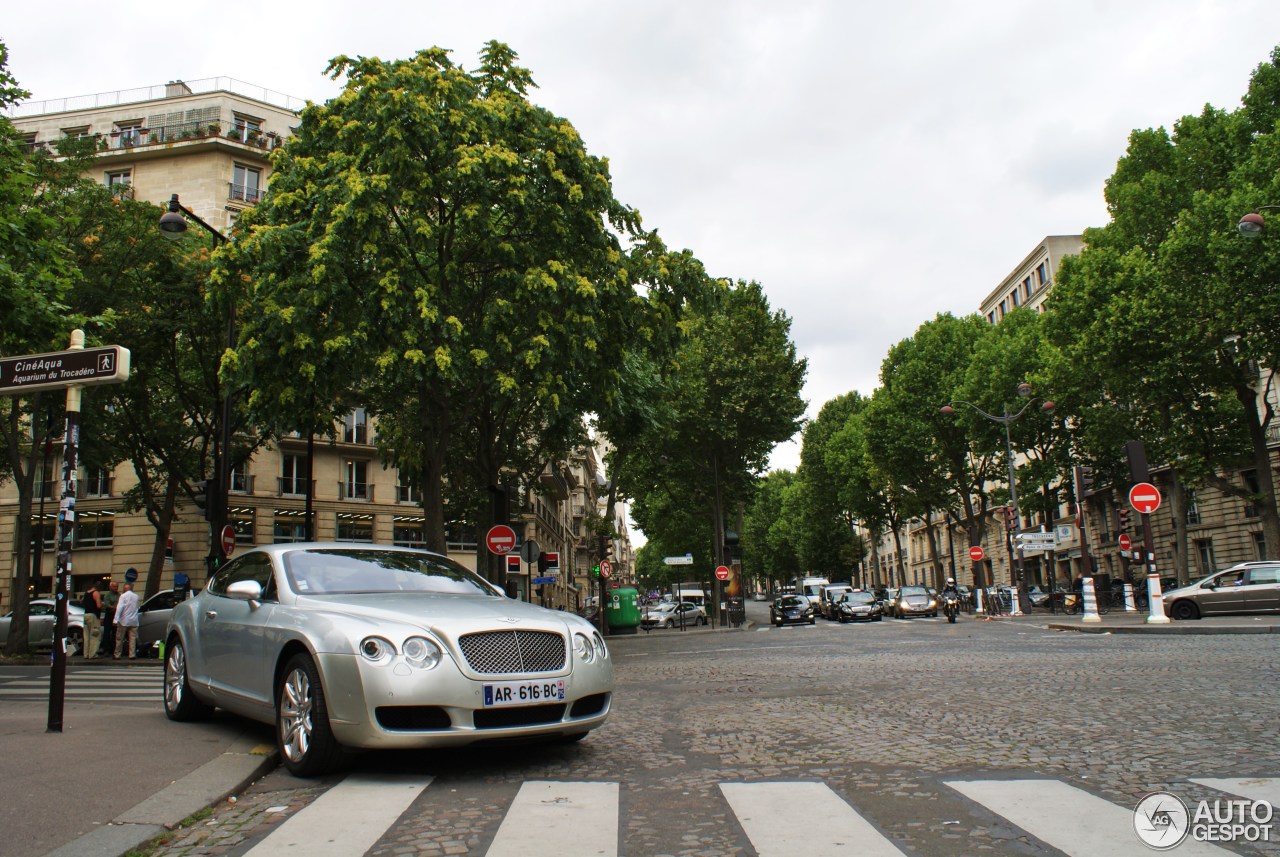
<point>202,492</point>
<point>542,564</point>
<point>501,504</point>
<point>1124,518</point>
<point>1011,518</point>
<point>595,570</point>
<point>1084,482</point>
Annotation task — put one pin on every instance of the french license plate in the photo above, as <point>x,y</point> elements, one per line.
<point>522,693</point>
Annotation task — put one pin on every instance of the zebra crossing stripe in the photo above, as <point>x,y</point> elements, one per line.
<point>1253,788</point>
<point>1070,819</point>
<point>347,819</point>
<point>549,819</point>
<point>786,819</point>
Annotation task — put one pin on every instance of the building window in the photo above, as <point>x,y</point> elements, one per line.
<point>240,518</point>
<point>246,183</point>
<point>408,532</point>
<point>1042,274</point>
<point>1252,508</point>
<point>459,537</point>
<point>1026,286</point>
<point>355,528</point>
<point>408,494</point>
<point>247,129</point>
<point>119,181</point>
<point>289,527</point>
<point>355,480</point>
<point>94,530</point>
<point>1204,555</point>
<point>991,317</point>
<point>355,427</point>
<point>293,478</point>
<point>1013,297</point>
<point>1259,546</point>
<point>1193,508</point>
<point>97,482</point>
<point>241,479</point>
<point>127,134</point>
<point>46,526</point>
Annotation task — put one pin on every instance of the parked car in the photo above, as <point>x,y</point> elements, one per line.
<point>792,610</point>
<point>1249,587</point>
<point>153,617</point>
<point>360,646</point>
<point>914,601</point>
<point>668,614</point>
<point>857,607</point>
<point>41,618</point>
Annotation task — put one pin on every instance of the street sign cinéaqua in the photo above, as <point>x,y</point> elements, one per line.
<point>34,372</point>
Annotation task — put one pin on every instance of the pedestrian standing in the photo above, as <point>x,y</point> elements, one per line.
<point>109,599</point>
<point>91,634</point>
<point>127,622</point>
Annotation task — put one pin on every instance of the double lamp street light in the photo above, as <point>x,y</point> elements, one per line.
<point>1024,392</point>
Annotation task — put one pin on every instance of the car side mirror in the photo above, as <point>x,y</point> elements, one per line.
<point>246,590</point>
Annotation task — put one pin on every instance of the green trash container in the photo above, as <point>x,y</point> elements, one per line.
<point>622,611</point>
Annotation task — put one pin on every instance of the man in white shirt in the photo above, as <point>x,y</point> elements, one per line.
<point>127,622</point>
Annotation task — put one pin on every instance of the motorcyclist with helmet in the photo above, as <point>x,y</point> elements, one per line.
<point>951,598</point>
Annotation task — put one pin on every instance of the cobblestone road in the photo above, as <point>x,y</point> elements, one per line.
<point>883,714</point>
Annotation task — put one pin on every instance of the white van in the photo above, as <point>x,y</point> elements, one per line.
<point>693,596</point>
<point>811,588</point>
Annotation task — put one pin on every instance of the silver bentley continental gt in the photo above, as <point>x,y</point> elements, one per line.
<point>346,647</point>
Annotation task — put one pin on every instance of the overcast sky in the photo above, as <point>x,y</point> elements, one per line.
<point>871,164</point>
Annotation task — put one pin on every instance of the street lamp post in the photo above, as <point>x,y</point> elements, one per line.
<point>1252,224</point>
<point>173,224</point>
<point>1024,392</point>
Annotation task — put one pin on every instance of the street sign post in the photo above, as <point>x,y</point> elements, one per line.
<point>1034,542</point>
<point>687,559</point>
<point>1144,498</point>
<point>977,554</point>
<point>500,539</point>
<point>529,551</point>
<point>605,569</point>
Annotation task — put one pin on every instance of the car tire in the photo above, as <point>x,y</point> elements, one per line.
<point>813,620</point>
<point>702,620</point>
<point>1184,610</point>
<point>303,734</point>
<point>670,623</point>
<point>180,703</point>
<point>777,623</point>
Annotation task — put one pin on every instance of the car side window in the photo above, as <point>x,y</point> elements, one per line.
<point>1264,575</point>
<point>254,566</point>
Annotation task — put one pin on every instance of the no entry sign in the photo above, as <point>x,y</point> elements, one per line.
<point>1144,498</point>
<point>722,573</point>
<point>500,539</point>
<point>977,554</point>
<point>1125,542</point>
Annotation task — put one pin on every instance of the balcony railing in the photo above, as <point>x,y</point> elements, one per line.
<point>98,486</point>
<point>244,193</point>
<point>292,486</point>
<point>362,491</point>
<point>152,93</point>
<point>241,483</point>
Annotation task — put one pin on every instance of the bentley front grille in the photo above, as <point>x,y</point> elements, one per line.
<point>494,652</point>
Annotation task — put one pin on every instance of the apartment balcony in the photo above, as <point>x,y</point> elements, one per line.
<point>247,194</point>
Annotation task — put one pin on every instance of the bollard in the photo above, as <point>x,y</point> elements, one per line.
<point>1129,606</point>
<point>160,649</point>
<point>1090,602</point>
<point>977,601</point>
<point>1155,602</point>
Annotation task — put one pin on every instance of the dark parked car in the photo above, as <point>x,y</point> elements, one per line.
<point>858,606</point>
<point>792,610</point>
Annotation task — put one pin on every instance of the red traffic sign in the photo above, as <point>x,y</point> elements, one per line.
<point>1125,542</point>
<point>500,539</point>
<point>722,573</point>
<point>977,554</point>
<point>605,569</point>
<point>228,538</point>
<point>1144,498</point>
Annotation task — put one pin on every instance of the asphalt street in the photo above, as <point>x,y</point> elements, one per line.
<point>913,737</point>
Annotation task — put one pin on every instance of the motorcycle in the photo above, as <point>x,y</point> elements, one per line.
<point>951,606</point>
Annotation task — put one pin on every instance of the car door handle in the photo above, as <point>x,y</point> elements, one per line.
<point>211,614</point>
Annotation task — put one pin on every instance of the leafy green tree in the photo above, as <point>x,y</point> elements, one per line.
<point>768,540</point>
<point>449,251</point>
<point>825,539</point>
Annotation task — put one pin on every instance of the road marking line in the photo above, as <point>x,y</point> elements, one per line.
<point>549,819</point>
<point>768,812</point>
<point>347,819</point>
<point>1253,788</point>
<point>1069,819</point>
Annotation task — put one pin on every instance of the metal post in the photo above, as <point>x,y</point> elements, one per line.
<point>1021,584</point>
<point>66,526</point>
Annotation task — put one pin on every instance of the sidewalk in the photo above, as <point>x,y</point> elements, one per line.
<point>1120,622</point>
<point>115,776</point>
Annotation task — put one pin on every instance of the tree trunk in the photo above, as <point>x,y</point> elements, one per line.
<point>1262,466</point>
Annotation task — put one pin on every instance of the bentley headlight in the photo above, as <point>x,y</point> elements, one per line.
<point>376,649</point>
<point>583,648</point>
<point>422,653</point>
<point>601,649</point>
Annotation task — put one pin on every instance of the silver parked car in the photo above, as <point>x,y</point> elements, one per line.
<point>1249,587</point>
<point>41,617</point>
<point>369,646</point>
